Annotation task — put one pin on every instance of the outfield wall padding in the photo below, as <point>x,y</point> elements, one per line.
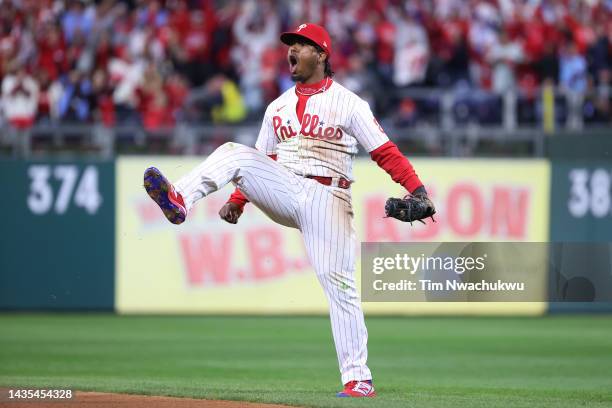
<point>58,235</point>
<point>82,234</point>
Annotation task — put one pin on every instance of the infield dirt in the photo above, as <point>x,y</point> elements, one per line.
<point>107,400</point>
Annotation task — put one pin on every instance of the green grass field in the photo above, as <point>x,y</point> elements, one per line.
<point>417,362</point>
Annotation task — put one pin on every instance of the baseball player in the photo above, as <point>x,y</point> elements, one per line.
<point>300,175</point>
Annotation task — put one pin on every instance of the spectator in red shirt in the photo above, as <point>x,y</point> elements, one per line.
<point>158,113</point>
<point>52,51</point>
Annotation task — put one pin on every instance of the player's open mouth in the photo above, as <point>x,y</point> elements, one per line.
<point>292,63</point>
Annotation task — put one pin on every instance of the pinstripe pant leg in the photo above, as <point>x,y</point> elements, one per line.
<point>267,184</point>
<point>326,222</point>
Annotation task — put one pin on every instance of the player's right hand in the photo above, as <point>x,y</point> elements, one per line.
<point>230,212</point>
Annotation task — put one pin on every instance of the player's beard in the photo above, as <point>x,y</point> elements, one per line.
<point>297,78</point>
<point>304,70</point>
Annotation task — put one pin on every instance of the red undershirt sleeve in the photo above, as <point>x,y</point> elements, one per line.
<point>390,159</point>
<point>238,198</point>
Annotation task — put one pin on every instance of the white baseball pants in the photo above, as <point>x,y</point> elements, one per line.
<point>322,213</point>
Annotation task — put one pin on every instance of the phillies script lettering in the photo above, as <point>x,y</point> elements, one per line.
<point>311,127</point>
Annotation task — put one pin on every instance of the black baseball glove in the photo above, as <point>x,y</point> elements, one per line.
<point>413,207</point>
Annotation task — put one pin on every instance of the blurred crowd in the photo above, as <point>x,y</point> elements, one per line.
<point>157,62</point>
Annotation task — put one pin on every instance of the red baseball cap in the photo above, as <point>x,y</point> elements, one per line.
<point>312,32</point>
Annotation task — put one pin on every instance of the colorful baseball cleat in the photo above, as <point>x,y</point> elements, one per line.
<point>164,194</point>
<point>357,389</point>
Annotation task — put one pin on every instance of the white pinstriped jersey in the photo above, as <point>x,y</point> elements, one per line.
<point>325,143</point>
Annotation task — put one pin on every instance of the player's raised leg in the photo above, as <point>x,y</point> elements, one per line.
<point>270,186</point>
<point>330,240</point>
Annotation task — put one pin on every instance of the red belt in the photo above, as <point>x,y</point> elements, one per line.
<point>328,181</point>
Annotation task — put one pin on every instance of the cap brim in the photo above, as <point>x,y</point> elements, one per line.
<point>291,38</point>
